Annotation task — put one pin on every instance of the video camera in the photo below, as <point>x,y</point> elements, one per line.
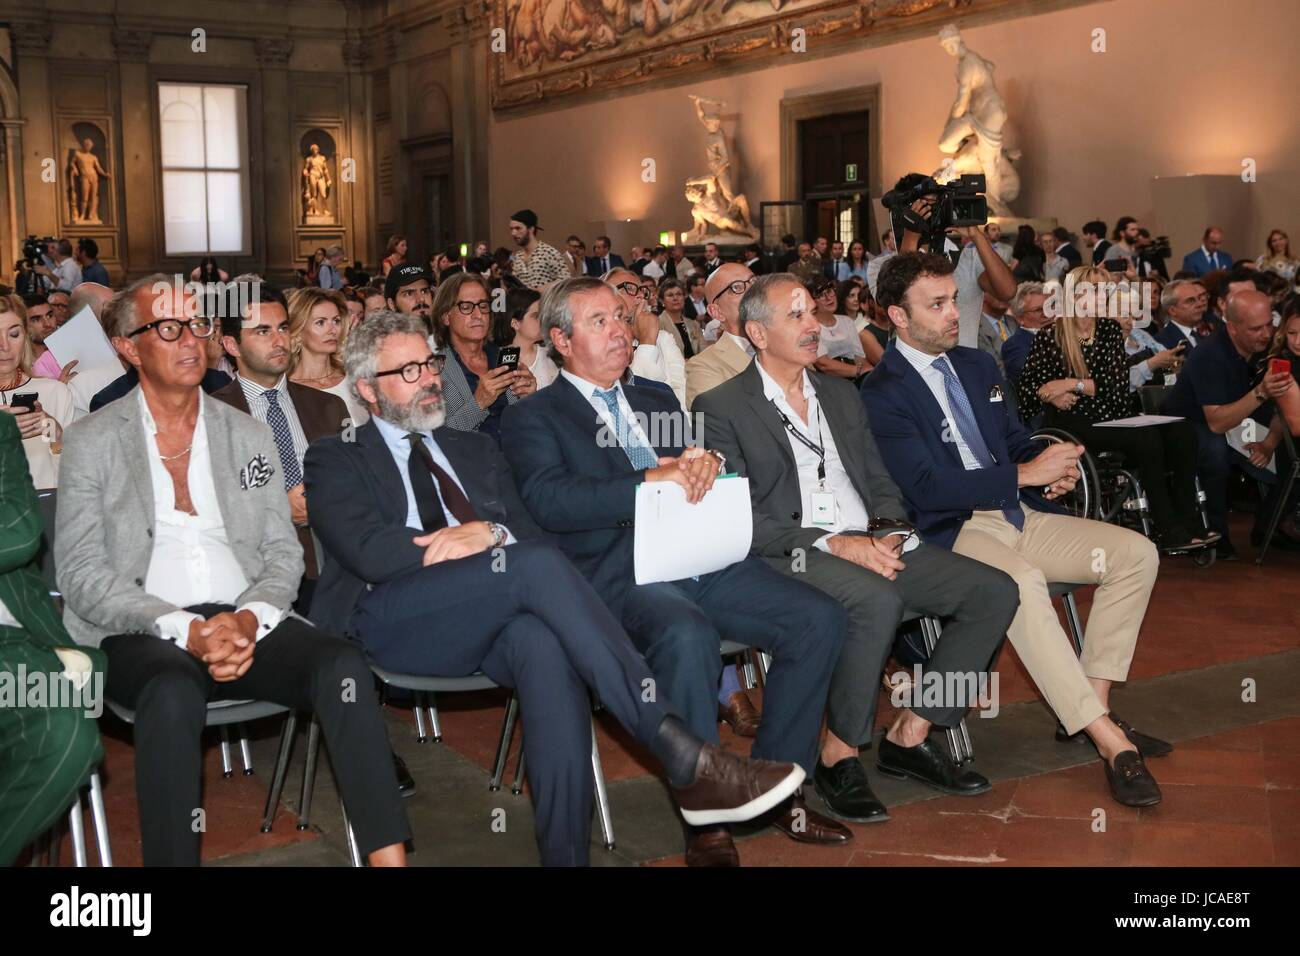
<point>34,249</point>
<point>1157,249</point>
<point>957,203</point>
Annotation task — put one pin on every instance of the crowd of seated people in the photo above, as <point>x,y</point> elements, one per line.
<point>346,460</point>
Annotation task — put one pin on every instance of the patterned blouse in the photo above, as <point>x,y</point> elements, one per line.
<point>1107,363</point>
<point>544,265</point>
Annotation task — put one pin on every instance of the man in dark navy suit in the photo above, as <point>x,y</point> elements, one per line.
<point>580,448</point>
<point>434,565</point>
<point>1209,255</point>
<point>603,260</point>
<point>967,467</point>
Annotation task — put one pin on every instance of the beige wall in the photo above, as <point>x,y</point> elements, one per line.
<point>1185,87</point>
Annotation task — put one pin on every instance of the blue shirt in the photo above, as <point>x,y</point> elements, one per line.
<point>400,448</point>
<point>328,277</point>
<point>1015,350</point>
<point>1136,341</point>
<point>1214,374</point>
<point>95,272</point>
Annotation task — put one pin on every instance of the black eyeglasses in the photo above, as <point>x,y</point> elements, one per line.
<point>632,288</point>
<point>738,287</point>
<point>169,330</point>
<point>467,308</point>
<point>411,371</point>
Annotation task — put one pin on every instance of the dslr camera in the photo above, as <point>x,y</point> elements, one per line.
<point>957,203</point>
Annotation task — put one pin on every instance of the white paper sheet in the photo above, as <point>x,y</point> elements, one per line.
<point>82,338</point>
<point>1140,421</point>
<point>1249,431</point>
<point>676,540</point>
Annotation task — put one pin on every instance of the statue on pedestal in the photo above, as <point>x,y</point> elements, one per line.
<point>973,134</point>
<point>84,170</point>
<point>316,186</point>
<point>714,198</point>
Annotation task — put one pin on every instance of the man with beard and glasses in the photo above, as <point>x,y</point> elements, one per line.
<point>436,568</point>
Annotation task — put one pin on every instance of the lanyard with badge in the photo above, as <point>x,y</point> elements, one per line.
<point>821,501</point>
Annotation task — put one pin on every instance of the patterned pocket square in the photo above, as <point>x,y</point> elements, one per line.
<point>256,473</point>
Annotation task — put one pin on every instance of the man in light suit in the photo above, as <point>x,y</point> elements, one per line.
<point>730,355</point>
<point>968,469</point>
<point>177,557</point>
<point>802,440</point>
<point>603,260</point>
<point>1209,255</point>
<point>580,450</point>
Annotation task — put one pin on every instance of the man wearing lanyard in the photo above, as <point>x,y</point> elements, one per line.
<point>826,512</point>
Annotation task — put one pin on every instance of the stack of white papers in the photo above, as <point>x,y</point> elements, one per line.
<point>676,540</point>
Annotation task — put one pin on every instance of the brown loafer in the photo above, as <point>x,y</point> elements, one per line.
<point>729,788</point>
<point>741,713</point>
<point>799,822</point>
<point>710,846</point>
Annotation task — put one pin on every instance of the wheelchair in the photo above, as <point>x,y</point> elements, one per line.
<point>1108,491</point>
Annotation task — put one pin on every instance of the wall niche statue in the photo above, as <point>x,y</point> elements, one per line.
<point>85,169</point>
<point>317,178</point>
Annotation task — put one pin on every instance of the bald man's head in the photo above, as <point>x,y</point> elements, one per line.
<point>90,294</point>
<point>1250,321</point>
<point>724,305</point>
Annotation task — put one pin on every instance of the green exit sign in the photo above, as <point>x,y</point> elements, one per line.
<point>851,172</point>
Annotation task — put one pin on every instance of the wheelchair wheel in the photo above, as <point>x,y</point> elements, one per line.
<point>1204,558</point>
<point>1085,500</point>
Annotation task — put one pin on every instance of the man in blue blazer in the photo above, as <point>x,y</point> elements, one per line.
<point>968,469</point>
<point>580,448</point>
<point>603,260</point>
<point>434,565</point>
<point>1208,256</point>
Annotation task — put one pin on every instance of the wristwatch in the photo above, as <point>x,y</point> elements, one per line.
<point>1260,396</point>
<point>722,460</point>
<point>499,534</point>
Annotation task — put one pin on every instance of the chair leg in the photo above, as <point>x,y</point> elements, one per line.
<point>100,818</point>
<point>281,770</point>
<point>748,677</point>
<point>227,769</point>
<point>1072,619</point>
<point>354,851</point>
<point>245,751</point>
<point>764,664</point>
<point>503,747</point>
<point>518,786</point>
<point>309,774</point>
<point>435,724</point>
<point>957,736</point>
<point>77,827</point>
<point>1278,511</point>
<point>421,735</point>
<point>602,795</point>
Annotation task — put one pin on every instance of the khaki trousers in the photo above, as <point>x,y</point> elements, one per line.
<point>1123,565</point>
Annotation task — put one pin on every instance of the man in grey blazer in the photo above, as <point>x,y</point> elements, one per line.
<point>823,503</point>
<point>177,556</point>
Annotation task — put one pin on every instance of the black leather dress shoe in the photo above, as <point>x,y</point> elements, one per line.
<point>405,782</point>
<point>1131,783</point>
<point>797,821</point>
<point>1147,746</point>
<point>1078,737</point>
<point>847,795</point>
<point>927,763</point>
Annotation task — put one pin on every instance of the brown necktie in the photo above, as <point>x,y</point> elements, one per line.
<point>448,490</point>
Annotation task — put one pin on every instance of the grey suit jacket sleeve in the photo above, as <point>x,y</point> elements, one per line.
<point>87,574</point>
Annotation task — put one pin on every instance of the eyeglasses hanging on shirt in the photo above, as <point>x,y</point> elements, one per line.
<point>821,503</point>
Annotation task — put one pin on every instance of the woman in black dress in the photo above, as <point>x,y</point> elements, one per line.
<point>1077,374</point>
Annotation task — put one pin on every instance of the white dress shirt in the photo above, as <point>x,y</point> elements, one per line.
<point>395,439</point>
<point>850,511</point>
<point>192,562</point>
<point>654,270</point>
<point>588,391</point>
<point>69,274</point>
<point>934,381</point>
<point>663,362</point>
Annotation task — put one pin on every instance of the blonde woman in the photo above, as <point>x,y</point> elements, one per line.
<point>318,327</point>
<point>1077,376</point>
<point>1278,258</point>
<point>44,406</point>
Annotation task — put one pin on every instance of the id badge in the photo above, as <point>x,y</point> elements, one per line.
<point>822,504</point>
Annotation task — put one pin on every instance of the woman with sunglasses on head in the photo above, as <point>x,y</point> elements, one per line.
<point>475,386</point>
<point>839,352</point>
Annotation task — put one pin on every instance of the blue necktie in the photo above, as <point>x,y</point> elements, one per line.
<point>275,417</point>
<point>640,454</point>
<point>966,426</point>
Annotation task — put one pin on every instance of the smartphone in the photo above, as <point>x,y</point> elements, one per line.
<point>508,355</point>
<point>26,400</point>
<point>1277,366</point>
<point>1118,266</point>
<point>1181,347</point>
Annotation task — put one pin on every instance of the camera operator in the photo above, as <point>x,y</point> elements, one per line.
<point>65,274</point>
<point>979,267</point>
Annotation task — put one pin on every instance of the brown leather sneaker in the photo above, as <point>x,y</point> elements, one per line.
<point>729,788</point>
<point>741,713</point>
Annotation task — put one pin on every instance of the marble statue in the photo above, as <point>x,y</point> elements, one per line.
<point>973,135</point>
<point>316,185</point>
<point>715,201</point>
<point>84,171</point>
